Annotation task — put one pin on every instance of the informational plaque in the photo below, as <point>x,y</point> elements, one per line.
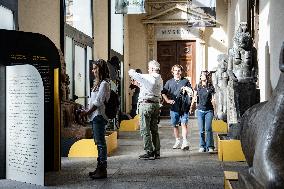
<point>24,124</point>
<point>29,106</point>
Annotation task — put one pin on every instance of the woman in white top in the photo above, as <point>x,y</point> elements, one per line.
<point>100,93</point>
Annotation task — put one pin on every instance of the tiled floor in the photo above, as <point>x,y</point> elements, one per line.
<point>175,169</point>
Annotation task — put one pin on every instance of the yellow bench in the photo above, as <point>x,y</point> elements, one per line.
<point>229,175</point>
<point>130,125</point>
<point>88,148</point>
<point>219,126</point>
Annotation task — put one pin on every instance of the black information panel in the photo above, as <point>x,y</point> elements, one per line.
<point>18,48</point>
<point>2,123</point>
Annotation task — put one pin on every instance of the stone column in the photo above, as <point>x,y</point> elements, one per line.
<point>151,41</point>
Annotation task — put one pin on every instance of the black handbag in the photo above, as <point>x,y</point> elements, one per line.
<point>184,102</point>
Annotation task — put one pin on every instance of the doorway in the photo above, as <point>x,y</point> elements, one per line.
<point>170,53</point>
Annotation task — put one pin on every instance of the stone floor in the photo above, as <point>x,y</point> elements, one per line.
<point>176,168</point>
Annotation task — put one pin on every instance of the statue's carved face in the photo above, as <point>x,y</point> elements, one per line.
<point>223,66</point>
<point>222,62</point>
<point>245,41</point>
<point>242,39</point>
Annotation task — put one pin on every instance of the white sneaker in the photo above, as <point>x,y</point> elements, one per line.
<point>210,150</point>
<point>201,149</point>
<point>185,145</point>
<point>177,144</point>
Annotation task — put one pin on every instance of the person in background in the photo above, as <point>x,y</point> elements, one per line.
<point>135,85</point>
<point>148,108</point>
<point>172,91</point>
<point>204,96</point>
<point>96,113</point>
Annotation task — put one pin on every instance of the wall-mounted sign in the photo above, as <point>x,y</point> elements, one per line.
<point>202,13</point>
<point>29,106</point>
<point>24,124</point>
<point>176,32</point>
<point>129,6</point>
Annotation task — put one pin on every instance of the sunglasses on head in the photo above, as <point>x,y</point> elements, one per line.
<point>206,72</point>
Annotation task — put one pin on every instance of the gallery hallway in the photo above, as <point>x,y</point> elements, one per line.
<point>175,169</point>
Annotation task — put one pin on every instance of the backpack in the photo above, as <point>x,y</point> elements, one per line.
<point>112,105</point>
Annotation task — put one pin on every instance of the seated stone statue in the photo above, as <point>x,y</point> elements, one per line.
<point>262,138</point>
<point>242,62</point>
<point>73,127</point>
<point>221,83</point>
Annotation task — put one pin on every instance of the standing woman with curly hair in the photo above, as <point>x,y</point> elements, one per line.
<point>204,96</point>
<point>100,93</point>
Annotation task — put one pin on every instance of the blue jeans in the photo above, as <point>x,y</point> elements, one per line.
<point>99,131</point>
<point>204,119</point>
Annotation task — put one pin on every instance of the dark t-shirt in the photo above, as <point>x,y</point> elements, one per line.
<point>204,97</point>
<point>172,89</point>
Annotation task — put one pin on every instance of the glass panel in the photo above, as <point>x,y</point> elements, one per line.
<point>69,63</point>
<point>7,19</point>
<point>89,57</point>
<point>116,30</point>
<point>79,15</point>
<point>79,74</point>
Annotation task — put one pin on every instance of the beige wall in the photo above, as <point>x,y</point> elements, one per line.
<point>101,29</point>
<point>270,40</point>
<point>237,12</point>
<point>41,17</point>
<point>264,52</point>
<point>135,50</point>
<point>271,27</point>
<point>276,15</point>
<point>216,41</point>
<point>137,43</point>
<point>128,93</point>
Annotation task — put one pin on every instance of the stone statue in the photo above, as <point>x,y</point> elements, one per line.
<point>242,70</point>
<point>262,134</point>
<point>221,83</point>
<point>64,80</point>
<point>242,64</point>
<point>72,127</point>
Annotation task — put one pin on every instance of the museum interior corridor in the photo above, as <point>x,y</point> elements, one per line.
<point>47,52</point>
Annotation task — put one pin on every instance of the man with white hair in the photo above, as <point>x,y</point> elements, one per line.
<point>148,108</point>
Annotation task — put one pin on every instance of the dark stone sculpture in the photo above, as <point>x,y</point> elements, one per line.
<point>262,139</point>
<point>221,79</point>
<point>242,66</point>
<point>73,128</point>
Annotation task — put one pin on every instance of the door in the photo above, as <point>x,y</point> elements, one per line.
<point>176,52</point>
<point>186,58</point>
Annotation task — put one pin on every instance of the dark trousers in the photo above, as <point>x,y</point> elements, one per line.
<point>99,131</point>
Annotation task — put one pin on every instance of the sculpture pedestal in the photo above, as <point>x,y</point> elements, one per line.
<point>88,148</point>
<point>229,149</point>
<point>130,125</point>
<point>230,176</point>
<point>219,126</point>
<point>241,96</point>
